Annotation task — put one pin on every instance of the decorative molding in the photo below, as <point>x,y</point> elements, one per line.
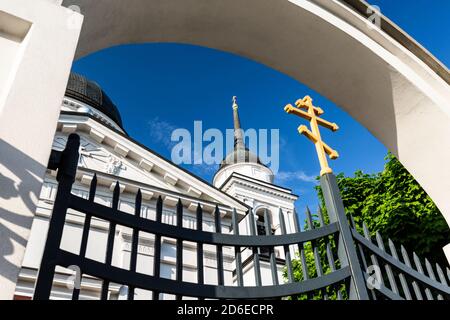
<point>69,128</point>
<point>114,166</point>
<point>120,149</point>
<point>121,187</point>
<point>146,194</point>
<point>146,165</point>
<point>194,192</point>
<point>86,179</point>
<point>171,179</point>
<point>266,190</point>
<point>170,201</point>
<point>151,159</point>
<point>96,135</point>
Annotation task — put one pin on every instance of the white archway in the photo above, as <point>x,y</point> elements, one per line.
<point>326,45</point>
<point>382,78</point>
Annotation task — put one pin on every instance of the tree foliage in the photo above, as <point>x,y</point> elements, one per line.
<point>393,203</point>
<point>390,202</point>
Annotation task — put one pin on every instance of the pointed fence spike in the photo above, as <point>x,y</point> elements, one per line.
<point>392,249</point>
<point>296,222</point>
<point>407,261</point>
<point>235,222</point>
<point>252,222</point>
<point>352,221</point>
<point>380,241</point>
<point>420,270</point>
<point>116,195</point>
<point>366,231</point>
<point>301,249</point>
<point>432,276</point>
<point>138,203</point>
<point>179,211</point>
<point>199,217</point>
<point>287,251</point>
<point>417,263</point>
<point>200,269</point>
<point>219,250</point>
<point>387,267</point>
<point>93,188</point>
<point>405,256</point>
<point>267,223</point>
<point>157,247</point>
<point>448,273</point>
<point>403,281</point>
<point>282,221</point>
<point>135,242</point>
<point>217,219</point>
<point>441,275</point>
<point>237,250</point>
<point>321,217</point>
<point>273,262</point>
<point>309,219</point>
<point>330,257</point>
<point>430,270</point>
<point>159,208</point>
<point>256,262</point>
<point>179,246</point>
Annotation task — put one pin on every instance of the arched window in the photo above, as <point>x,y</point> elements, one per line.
<point>261,223</point>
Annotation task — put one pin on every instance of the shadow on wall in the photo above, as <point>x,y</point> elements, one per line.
<point>18,182</point>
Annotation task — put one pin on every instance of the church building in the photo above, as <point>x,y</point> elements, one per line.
<point>242,183</point>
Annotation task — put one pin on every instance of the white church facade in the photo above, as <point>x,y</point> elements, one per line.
<point>242,183</point>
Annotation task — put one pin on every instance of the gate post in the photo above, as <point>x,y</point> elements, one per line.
<point>346,248</point>
<point>66,177</point>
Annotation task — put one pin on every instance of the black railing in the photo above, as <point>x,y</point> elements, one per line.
<point>344,277</point>
<point>397,279</point>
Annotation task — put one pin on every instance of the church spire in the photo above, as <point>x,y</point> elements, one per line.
<point>238,138</point>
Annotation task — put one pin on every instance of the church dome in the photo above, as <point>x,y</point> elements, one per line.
<point>240,155</point>
<point>241,160</point>
<point>91,93</point>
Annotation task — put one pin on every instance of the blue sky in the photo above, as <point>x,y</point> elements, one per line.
<point>160,87</point>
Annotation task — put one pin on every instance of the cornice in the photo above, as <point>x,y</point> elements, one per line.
<point>257,186</point>
<point>137,152</point>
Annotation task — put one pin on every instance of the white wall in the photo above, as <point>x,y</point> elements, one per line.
<point>37,46</point>
<point>97,242</point>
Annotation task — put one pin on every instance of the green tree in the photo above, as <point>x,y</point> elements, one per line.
<point>392,203</point>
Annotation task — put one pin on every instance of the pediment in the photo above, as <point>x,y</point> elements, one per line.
<point>107,151</point>
<point>99,158</point>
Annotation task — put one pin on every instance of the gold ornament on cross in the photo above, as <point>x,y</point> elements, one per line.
<point>312,114</point>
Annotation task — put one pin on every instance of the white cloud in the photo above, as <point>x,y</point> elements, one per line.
<point>161,131</point>
<point>284,176</point>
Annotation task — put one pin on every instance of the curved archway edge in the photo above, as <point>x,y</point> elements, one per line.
<point>401,96</point>
<point>381,77</point>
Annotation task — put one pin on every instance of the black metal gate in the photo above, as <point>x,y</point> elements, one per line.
<point>340,254</point>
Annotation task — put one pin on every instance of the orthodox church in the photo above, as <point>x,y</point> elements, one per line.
<point>242,183</point>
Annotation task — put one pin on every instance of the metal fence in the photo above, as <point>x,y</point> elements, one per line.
<point>332,256</point>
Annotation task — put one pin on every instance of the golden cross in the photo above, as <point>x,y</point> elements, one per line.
<point>312,115</point>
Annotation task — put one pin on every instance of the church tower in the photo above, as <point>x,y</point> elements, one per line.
<point>243,176</point>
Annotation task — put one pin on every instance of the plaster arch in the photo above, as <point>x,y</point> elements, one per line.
<point>381,77</point>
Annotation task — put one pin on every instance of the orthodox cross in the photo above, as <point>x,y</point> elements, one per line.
<point>312,114</point>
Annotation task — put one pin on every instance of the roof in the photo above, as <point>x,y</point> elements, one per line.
<point>89,92</point>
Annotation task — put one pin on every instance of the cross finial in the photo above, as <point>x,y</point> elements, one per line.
<point>235,105</point>
<point>312,114</point>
